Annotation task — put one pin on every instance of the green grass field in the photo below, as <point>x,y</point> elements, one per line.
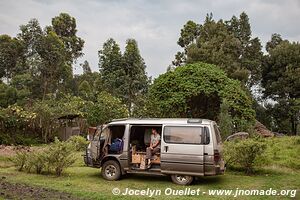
<point>87,183</point>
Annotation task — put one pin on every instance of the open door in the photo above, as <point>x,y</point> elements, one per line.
<point>182,150</point>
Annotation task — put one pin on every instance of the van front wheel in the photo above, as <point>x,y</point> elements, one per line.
<point>111,170</point>
<point>182,179</point>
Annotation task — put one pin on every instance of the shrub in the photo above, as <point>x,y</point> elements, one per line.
<point>245,154</point>
<point>60,156</point>
<point>38,161</point>
<point>55,157</point>
<point>20,159</point>
<point>79,142</point>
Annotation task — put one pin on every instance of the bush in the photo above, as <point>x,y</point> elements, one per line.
<point>245,154</point>
<point>20,159</point>
<point>79,142</point>
<point>56,157</point>
<point>38,161</point>
<point>60,156</point>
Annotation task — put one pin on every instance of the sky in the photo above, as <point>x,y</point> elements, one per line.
<point>154,24</point>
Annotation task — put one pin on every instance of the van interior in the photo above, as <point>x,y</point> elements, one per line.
<point>139,140</point>
<point>140,136</point>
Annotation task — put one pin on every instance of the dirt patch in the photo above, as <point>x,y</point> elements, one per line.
<point>8,151</point>
<point>22,191</point>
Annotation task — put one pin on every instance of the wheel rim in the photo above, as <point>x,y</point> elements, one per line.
<point>181,179</point>
<point>110,171</point>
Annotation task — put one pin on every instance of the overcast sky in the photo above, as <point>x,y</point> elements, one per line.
<point>154,24</point>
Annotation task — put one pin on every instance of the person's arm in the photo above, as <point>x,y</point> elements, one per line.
<point>151,142</point>
<point>157,142</point>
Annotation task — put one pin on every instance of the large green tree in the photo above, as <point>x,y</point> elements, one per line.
<point>198,90</point>
<point>11,50</point>
<point>281,77</point>
<point>111,67</point>
<point>64,26</point>
<point>227,44</point>
<point>123,75</point>
<point>136,80</point>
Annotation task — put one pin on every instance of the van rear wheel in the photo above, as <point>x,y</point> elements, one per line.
<point>182,179</point>
<point>111,170</point>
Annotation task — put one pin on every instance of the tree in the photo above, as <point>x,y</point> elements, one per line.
<point>85,90</point>
<point>8,95</point>
<point>197,90</point>
<point>281,77</point>
<point>111,67</point>
<point>11,50</point>
<point>124,75</point>
<point>275,40</point>
<point>226,44</point>
<point>225,120</point>
<point>106,108</point>
<point>86,67</point>
<point>54,69</point>
<point>136,80</point>
<point>65,27</point>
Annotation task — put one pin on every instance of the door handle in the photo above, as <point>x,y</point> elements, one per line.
<point>206,154</point>
<point>166,148</point>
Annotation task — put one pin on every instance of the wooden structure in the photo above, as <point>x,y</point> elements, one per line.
<point>69,126</point>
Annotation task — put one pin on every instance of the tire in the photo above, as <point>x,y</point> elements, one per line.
<point>182,179</point>
<point>111,170</point>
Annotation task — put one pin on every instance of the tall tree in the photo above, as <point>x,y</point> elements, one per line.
<point>86,67</point>
<point>11,50</point>
<point>281,77</point>
<point>65,27</point>
<point>111,67</point>
<point>136,80</point>
<point>227,44</point>
<point>53,69</point>
<point>124,75</point>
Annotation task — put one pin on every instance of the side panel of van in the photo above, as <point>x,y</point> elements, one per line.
<point>182,149</point>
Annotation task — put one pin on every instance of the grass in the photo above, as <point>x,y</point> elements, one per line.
<point>87,182</point>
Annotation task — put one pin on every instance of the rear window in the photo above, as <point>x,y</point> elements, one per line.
<point>218,135</point>
<point>185,135</point>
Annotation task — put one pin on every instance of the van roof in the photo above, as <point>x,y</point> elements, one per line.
<point>152,121</point>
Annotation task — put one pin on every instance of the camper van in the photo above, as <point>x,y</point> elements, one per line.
<point>188,148</point>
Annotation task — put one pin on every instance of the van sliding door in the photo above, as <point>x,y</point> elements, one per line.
<point>182,150</point>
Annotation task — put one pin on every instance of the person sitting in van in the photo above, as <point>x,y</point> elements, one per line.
<point>154,146</point>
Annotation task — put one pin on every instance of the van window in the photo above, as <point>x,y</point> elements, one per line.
<point>184,135</point>
<point>217,132</point>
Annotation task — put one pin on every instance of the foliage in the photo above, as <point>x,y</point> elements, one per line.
<point>15,118</point>
<point>85,90</point>
<point>124,75</point>
<point>106,108</point>
<point>20,159</point>
<point>111,69</point>
<point>48,111</point>
<point>65,27</point>
<point>10,56</point>
<point>245,154</point>
<point>225,120</point>
<point>56,157</point>
<point>226,44</point>
<point>197,90</point>
<point>281,78</point>
<point>284,152</point>
<point>79,142</point>
<point>60,156</point>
